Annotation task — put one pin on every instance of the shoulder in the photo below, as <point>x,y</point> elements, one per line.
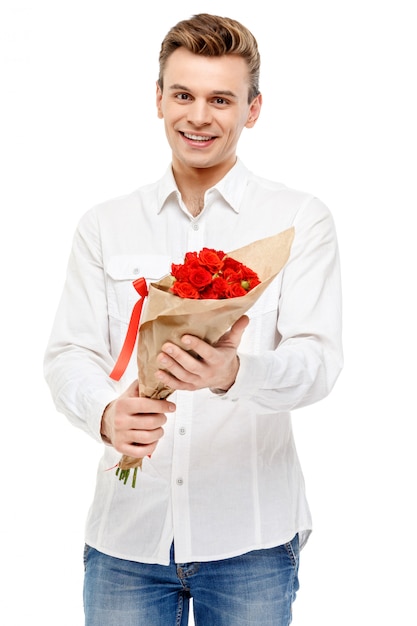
<point>121,208</point>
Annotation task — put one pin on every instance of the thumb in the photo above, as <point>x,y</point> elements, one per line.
<point>132,391</point>
<point>233,336</point>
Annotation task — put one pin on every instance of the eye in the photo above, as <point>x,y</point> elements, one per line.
<point>220,101</point>
<point>182,96</point>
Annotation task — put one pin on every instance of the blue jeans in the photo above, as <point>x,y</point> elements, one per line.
<point>257,588</point>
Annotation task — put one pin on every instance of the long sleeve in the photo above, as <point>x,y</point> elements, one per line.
<point>78,360</point>
<point>308,358</point>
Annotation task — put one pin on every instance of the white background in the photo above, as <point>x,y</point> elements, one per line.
<point>78,126</point>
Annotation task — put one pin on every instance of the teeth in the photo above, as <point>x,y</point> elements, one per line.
<point>196,137</point>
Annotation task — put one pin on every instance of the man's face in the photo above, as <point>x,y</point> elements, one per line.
<point>205,107</point>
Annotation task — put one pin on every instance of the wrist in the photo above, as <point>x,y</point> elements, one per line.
<point>220,391</point>
<point>103,427</point>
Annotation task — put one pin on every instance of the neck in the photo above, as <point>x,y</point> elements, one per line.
<point>195,204</point>
<point>193,182</point>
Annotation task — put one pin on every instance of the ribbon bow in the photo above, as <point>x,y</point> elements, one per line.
<point>132,331</point>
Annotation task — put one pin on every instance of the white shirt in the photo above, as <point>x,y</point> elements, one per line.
<point>225,478</point>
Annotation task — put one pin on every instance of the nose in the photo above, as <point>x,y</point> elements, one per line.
<point>199,113</point>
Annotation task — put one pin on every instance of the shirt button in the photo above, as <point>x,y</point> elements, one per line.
<point>195,226</point>
<point>180,481</point>
<point>135,270</point>
<point>182,430</point>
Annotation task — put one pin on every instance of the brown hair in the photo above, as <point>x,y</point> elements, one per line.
<point>211,35</point>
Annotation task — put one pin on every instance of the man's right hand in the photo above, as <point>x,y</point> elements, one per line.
<point>133,425</point>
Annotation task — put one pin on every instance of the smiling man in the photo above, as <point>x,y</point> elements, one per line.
<point>219,512</point>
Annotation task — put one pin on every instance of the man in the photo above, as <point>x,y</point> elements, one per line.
<point>219,511</point>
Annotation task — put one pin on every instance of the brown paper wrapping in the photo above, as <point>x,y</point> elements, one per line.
<point>166,317</point>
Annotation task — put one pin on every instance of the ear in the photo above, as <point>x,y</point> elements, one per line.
<point>159,100</point>
<point>254,111</point>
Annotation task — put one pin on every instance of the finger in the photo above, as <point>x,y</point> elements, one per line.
<point>132,391</point>
<point>174,359</point>
<point>234,335</point>
<point>145,437</point>
<point>241,323</point>
<point>186,383</point>
<point>147,422</point>
<point>184,375</point>
<point>137,450</point>
<point>152,406</point>
<point>230,339</point>
<point>172,373</point>
<point>143,440</point>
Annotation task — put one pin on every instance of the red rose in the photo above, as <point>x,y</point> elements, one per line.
<point>250,282</point>
<point>181,271</point>
<point>216,290</point>
<point>211,259</point>
<point>190,256</point>
<point>220,286</point>
<point>232,276</point>
<point>199,277</point>
<point>209,294</point>
<point>185,290</point>
<point>235,290</point>
<point>250,274</point>
<point>232,264</point>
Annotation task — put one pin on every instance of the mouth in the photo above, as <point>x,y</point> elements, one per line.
<point>197,138</point>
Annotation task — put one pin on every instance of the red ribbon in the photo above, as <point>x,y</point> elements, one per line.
<point>132,331</point>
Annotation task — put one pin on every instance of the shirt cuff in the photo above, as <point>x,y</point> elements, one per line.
<point>97,404</point>
<point>253,371</point>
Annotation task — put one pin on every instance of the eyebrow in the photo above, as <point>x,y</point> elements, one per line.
<point>215,92</point>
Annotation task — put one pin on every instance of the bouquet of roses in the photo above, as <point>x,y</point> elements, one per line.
<point>212,274</point>
<point>203,296</point>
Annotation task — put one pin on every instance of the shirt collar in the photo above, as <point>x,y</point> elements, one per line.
<point>231,187</point>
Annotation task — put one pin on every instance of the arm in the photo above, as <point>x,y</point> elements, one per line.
<point>78,359</point>
<point>308,358</point>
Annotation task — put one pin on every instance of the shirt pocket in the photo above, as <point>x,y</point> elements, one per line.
<point>268,301</point>
<point>121,271</point>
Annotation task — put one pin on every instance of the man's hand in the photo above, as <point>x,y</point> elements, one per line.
<point>216,366</point>
<point>133,425</point>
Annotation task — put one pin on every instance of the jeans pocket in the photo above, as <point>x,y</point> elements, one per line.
<point>293,550</point>
<point>85,555</point>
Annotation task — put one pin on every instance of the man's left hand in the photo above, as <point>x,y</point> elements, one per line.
<point>215,366</point>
